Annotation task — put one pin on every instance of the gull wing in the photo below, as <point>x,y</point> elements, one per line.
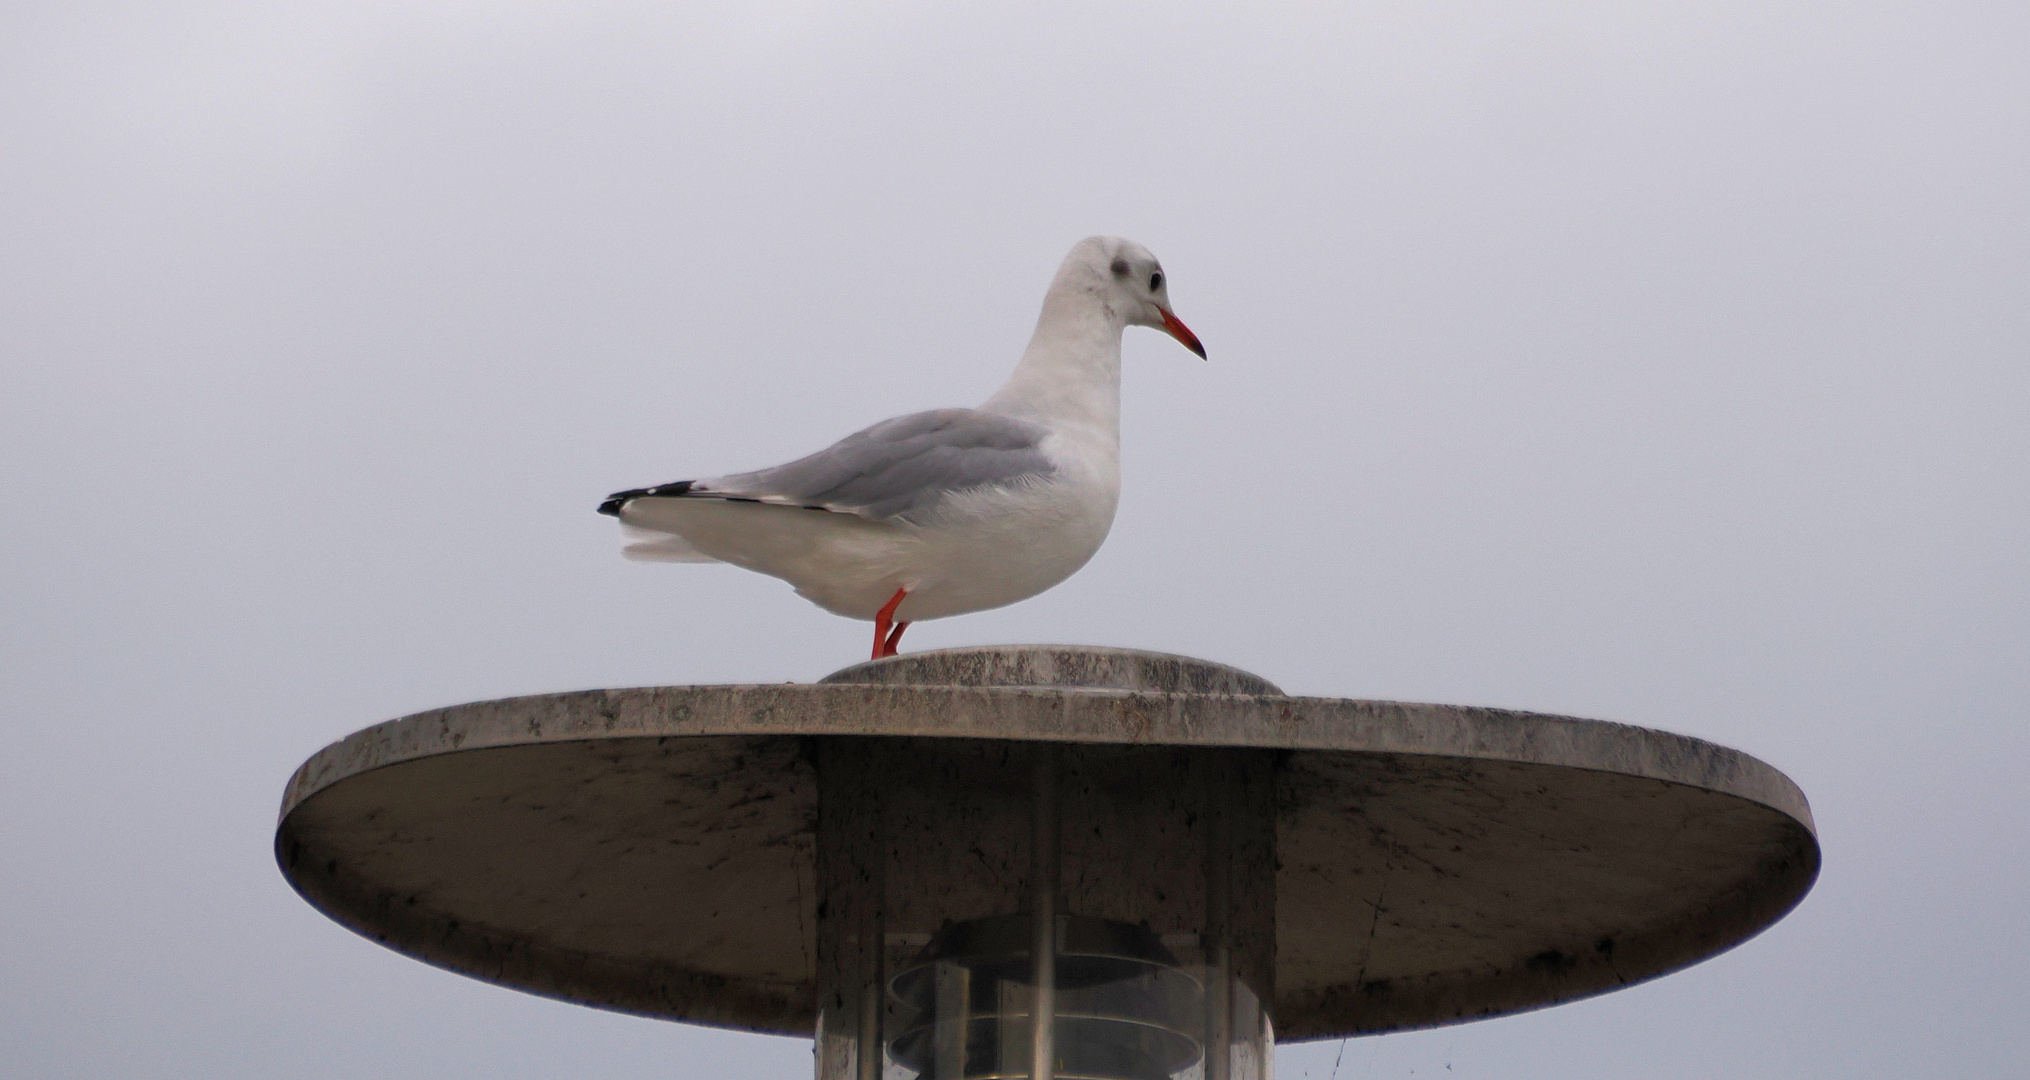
<point>898,469</point>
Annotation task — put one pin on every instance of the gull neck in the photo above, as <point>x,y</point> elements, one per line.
<point>1071,371</point>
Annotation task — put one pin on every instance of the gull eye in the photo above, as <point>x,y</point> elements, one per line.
<point>1155,281</point>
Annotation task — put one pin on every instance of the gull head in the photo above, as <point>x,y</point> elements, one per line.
<point>1131,283</point>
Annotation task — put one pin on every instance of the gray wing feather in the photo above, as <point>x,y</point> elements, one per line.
<point>902,467</point>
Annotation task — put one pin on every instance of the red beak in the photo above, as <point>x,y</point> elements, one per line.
<point>1181,332</point>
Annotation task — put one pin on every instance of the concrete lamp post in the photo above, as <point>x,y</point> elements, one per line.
<point>1042,862</point>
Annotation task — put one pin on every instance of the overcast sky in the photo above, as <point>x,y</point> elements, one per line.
<point>1659,362</point>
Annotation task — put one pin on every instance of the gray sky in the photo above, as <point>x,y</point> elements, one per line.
<point>1662,363</point>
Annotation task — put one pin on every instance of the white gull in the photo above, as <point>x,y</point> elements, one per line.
<point>949,511</point>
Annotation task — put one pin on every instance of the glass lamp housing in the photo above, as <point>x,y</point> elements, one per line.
<point>995,909</point>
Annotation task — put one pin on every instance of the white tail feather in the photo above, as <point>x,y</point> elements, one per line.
<point>650,545</point>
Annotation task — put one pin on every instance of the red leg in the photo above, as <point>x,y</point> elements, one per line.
<point>894,639</point>
<point>884,643</point>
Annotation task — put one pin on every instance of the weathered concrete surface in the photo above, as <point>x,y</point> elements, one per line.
<point>1057,667</point>
<point>652,850</point>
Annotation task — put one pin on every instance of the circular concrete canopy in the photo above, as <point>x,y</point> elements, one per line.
<point>651,850</point>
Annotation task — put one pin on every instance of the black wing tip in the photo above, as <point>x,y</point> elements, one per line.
<point>611,507</point>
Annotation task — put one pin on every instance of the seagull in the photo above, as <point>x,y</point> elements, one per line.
<point>949,511</point>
